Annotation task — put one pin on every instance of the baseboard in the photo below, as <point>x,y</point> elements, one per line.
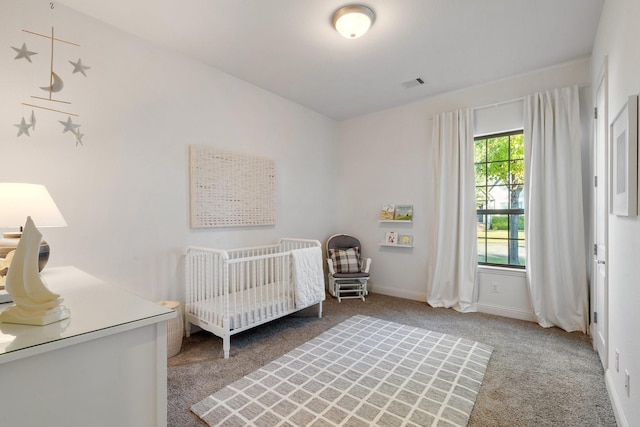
<point>506,312</point>
<point>621,420</point>
<point>416,296</point>
<point>482,308</point>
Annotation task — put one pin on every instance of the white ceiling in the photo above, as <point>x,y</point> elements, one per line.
<point>290,48</point>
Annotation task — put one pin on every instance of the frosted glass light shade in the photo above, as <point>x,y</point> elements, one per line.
<point>353,21</point>
<point>19,201</point>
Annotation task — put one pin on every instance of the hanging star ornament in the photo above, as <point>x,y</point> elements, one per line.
<point>69,126</point>
<point>23,52</point>
<point>78,67</point>
<point>23,127</point>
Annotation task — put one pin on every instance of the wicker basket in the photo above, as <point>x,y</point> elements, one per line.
<point>174,328</point>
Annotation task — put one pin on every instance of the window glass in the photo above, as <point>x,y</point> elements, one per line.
<point>517,172</point>
<point>497,149</point>
<point>479,150</point>
<point>499,170</point>
<point>517,147</point>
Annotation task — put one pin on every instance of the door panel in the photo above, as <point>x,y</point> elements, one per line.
<point>601,213</point>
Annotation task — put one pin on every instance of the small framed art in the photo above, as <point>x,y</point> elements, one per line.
<point>404,213</point>
<point>386,213</point>
<point>405,240</point>
<point>391,238</point>
<point>624,160</point>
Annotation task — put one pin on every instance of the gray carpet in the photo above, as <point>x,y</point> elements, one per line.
<point>365,371</point>
<point>536,376</point>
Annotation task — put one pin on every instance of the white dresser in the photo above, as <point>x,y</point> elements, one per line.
<point>104,366</point>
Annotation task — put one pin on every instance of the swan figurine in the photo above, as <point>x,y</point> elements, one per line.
<point>34,304</point>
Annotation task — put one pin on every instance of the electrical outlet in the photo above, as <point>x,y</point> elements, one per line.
<point>617,360</point>
<point>627,382</point>
<point>494,287</point>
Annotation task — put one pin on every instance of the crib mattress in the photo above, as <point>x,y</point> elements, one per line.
<point>245,308</point>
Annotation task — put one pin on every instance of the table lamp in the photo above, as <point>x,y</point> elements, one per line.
<point>19,201</point>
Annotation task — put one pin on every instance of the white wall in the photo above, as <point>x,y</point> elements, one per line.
<point>124,193</point>
<point>384,160</point>
<point>617,38</point>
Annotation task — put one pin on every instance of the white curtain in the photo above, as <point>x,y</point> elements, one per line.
<point>452,247</point>
<point>555,241</point>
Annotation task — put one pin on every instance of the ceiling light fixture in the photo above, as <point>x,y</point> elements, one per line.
<point>353,21</point>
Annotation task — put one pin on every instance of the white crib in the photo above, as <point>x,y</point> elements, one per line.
<point>230,291</point>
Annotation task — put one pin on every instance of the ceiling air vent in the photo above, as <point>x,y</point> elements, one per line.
<point>413,83</point>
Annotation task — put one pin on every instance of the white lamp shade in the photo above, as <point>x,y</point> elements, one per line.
<point>353,21</point>
<point>18,201</point>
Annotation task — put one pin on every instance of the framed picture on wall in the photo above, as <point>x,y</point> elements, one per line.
<point>391,238</point>
<point>405,240</point>
<point>404,213</point>
<point>623,144</point>
<point>386,213</point>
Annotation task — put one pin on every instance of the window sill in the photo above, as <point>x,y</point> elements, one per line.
<point>503,271</point>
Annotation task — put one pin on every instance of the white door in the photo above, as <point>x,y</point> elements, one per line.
<point>601,213</point>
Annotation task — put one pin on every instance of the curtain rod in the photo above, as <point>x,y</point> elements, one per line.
<point>497,104</point>
<point>511,101</point>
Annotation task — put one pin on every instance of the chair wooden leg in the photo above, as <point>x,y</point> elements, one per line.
<point>354,289</point>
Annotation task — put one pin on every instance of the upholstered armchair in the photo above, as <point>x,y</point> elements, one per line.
<point>348,270</point>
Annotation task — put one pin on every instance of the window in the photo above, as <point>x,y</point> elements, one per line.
<point>499,169</point>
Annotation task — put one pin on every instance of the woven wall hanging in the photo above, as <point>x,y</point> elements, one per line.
<point>230,189</point>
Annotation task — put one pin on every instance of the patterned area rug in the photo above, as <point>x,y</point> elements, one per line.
<point>364,371</point>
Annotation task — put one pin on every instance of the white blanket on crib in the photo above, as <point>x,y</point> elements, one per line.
<point>308,276</point>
